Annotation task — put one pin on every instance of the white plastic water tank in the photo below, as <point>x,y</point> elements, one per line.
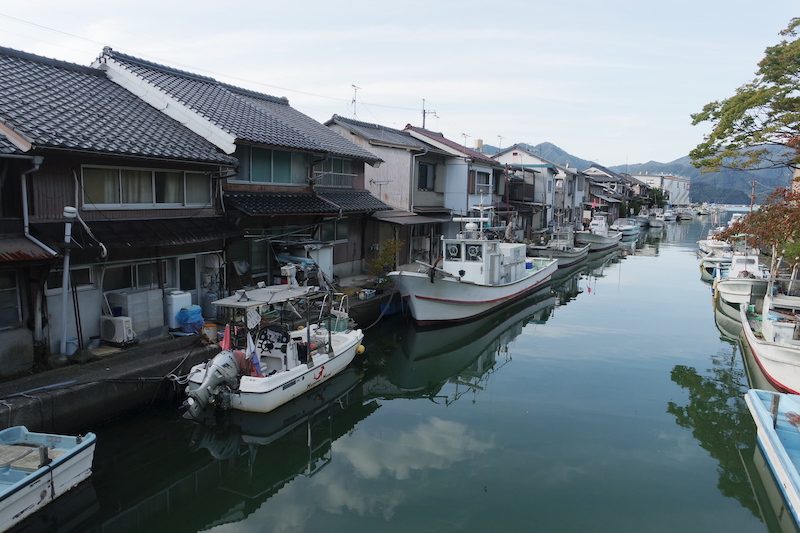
<point>173,302</point>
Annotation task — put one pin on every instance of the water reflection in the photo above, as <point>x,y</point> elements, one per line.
<point>418,362</point>
<point>719,420</point>
<point>768,496</point>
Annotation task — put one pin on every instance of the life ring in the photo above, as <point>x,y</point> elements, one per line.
<point>473,251</point>
<point>452,250</point>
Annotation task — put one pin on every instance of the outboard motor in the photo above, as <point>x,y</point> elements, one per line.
<point>222,370</point>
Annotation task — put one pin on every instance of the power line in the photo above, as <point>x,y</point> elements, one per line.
<point>203,70</point>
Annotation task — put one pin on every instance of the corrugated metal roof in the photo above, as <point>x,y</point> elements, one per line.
<point>19,249</point>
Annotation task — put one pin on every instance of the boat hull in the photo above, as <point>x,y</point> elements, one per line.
<point>741,290</point>
<point>566,258</point>
<point>47,483</point>
<point>769,433</point>
<point>450,300</point>
<point>265,394</point>
<point>779,364</point>
<point>598,243</point>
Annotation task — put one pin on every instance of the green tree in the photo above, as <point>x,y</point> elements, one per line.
<point>658,197</point>
<point>759,126</point>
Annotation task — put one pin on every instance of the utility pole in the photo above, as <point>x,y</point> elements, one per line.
<point>752,195</point>
<point>499,141</point>
<point>355,99</point>
<point>425,113</point>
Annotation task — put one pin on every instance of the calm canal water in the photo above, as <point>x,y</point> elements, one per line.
<point>611,403</point>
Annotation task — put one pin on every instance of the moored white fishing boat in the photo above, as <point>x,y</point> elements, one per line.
<point>743,282</point>
<point>561,247</point>
<point>771,339</point>
<point>277,364</point>
<point>38,468</point>
<point>776,419</point>
<point>627,226</point>
<point>656,219</point>
<point>598,237</point>
<point>476,275</point>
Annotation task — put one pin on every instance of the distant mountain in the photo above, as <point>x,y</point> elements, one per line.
<point>726,186</point>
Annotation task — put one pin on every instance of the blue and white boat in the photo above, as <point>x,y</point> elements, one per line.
<point>777,416</point>
<point>37,468</point>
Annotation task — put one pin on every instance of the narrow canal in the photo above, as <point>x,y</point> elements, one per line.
<point>610,403</point>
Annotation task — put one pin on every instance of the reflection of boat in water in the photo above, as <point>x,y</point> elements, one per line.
<point>728,326</point>
<point>425,359</point>
<point>771,505</point>
<point>264,452</point>
<point>232,469</point>
<point>775,415</point>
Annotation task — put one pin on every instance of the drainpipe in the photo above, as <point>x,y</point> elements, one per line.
<point>36,162</point>
<point>69,215</point>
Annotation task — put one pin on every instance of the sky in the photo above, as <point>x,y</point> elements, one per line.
<point>612,81</point>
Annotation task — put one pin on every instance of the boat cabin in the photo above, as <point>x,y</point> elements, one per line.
<point>474,257</point>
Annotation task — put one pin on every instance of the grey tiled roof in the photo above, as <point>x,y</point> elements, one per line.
<point>353,201</point>
<point>55,104</point>
<point>304,203</point>
<point>7,148</point>
<point>247,115</point>
<point>378,133</point>
<point>440,138</point>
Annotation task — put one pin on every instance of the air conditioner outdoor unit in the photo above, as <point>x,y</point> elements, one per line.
<point>116,329</point>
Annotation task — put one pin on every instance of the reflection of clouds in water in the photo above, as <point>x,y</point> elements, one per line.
<point>435,444</point>
<point>560,474</point>
<point>556,331</point>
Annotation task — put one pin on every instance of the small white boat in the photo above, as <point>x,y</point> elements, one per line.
<point>598,237</point>
<point>278,363</point>
<point>669,215</point>
<point>771,338</point>
<point>37,468</point>
<point>627,226</point>
<point>712,244</point>
<point>684,214</point>
<point>477,274</point>
<point>561,246</point>
<point>711,263</point>
<point>656,219</point>
<point>743,282</point>
<point>777,417</point>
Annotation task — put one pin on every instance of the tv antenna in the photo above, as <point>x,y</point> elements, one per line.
<point>499,141</point>
<point>355,99</point>
<point>465,138</point>
<point>425,113</point>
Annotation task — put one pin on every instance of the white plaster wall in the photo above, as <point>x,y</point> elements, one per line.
<point>455,195</point>
<point>89,301</point>
<point>395,170</point>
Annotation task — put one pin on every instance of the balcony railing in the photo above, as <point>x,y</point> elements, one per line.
<point>337,180</point>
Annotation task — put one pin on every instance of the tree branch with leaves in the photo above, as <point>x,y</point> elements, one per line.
<point>763,115</point>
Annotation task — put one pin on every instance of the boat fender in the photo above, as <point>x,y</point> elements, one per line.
<point>361,349</point>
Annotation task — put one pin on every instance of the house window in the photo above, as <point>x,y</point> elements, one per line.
<point>338,230</point>
<point>426,180</point>
<point>261,165</point>
<point>10,309</point>
<point>549,185</point>
<point>580,184</point>
<point>335,172</point>
<point>80,277</point>
<point>110,187</point>
<point>116,278</point>
<point>483,183</point>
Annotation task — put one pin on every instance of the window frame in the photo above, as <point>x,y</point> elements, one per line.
<point>87,205</point>
<point>18,306</point>
<point>483,188</point>
<point>430,179</point>
<point>83,287</point>
<point>247,162</point>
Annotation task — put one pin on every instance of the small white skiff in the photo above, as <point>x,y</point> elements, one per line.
<point>37,468</point>
<point>275,364</point>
